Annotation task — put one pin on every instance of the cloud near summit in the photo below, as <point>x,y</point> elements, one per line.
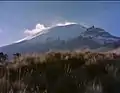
<point>40,28</point>
<point>37,29</point>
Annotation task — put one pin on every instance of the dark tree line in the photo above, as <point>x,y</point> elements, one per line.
<point>16,55</point>
<point>4,57</point>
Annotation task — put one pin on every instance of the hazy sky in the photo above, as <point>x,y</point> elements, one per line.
<point>16,17</point>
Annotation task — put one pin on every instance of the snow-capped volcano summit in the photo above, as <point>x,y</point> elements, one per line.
<point>64,31</point>
<point>62,37</point>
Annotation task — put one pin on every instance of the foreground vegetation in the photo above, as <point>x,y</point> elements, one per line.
<point>65,72</point>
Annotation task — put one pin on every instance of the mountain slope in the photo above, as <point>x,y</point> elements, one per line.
<point>69,37</point>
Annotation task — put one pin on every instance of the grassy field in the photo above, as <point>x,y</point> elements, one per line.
<point>62,72</point>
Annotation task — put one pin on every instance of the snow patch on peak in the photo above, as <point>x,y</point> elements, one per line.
<point>21,40</point>
<point>65,24</point>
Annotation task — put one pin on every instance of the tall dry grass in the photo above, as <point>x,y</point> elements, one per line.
<point>62,72</point>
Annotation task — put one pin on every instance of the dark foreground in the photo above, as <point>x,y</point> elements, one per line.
<point>62,73</point>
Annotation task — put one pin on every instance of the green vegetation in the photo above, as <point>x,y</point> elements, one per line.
<point>61,72</point>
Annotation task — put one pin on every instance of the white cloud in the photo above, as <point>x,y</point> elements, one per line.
<point>39,28</point>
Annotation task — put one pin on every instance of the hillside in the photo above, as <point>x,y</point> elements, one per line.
<point>68,37</point>
<point>62,72</point>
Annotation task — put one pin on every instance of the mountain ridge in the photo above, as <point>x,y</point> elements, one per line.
<point>69,37</point>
